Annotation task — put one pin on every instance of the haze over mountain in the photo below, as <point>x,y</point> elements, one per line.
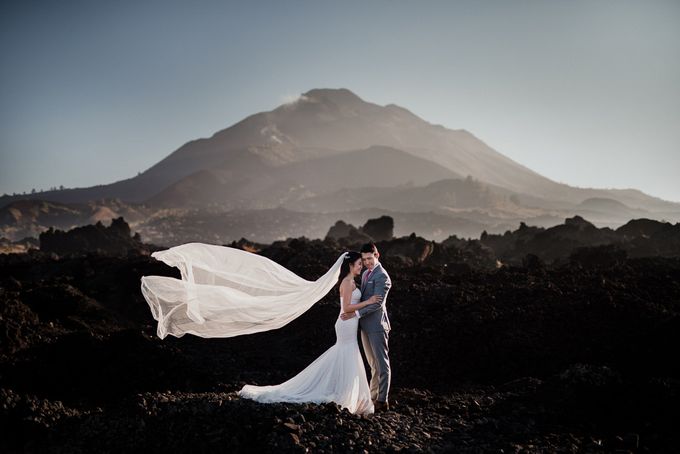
<point>248,181</point>
<point>331,151</point>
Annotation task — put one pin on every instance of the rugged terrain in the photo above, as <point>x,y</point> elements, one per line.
<point>573,351</point>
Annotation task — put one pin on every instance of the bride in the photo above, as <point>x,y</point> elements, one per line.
<point>337,375</point>
<point>225,292</point>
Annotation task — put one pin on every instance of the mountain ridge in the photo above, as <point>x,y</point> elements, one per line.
<point>288,156</point>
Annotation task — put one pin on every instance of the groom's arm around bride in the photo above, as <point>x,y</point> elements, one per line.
<point>381,285</point>
<point>374,282</point>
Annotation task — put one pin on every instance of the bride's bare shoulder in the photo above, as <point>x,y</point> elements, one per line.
<point>347,285</point>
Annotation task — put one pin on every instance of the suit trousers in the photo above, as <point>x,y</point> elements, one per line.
<point>376,350</point>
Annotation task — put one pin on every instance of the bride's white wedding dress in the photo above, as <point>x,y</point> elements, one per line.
<point>338,375</point>
<point>226,292</point>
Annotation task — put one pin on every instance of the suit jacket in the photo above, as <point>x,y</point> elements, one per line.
<point>373,318</point>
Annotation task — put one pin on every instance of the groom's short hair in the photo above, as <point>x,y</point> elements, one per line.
<point>370,248</point>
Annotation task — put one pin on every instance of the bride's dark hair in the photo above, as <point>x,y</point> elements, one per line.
<point>351,257</point>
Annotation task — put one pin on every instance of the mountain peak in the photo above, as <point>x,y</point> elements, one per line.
<point>335,95</point>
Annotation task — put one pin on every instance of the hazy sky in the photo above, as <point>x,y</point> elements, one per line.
<point>586,93</point>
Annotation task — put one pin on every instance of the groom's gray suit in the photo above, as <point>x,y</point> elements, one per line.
<point>375,329</point>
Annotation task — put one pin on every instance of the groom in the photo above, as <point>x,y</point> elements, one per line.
<point>374,324</point>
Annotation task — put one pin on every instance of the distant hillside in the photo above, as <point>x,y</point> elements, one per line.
<point>29,218</point>
<point>256,185</point>
<point>445,194</point>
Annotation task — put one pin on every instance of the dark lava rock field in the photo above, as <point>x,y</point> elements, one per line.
<point>580,354</point>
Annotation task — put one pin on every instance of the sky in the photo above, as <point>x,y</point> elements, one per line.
<point>583,92</point>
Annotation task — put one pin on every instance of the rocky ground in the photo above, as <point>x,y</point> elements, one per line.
<point>531,358</point>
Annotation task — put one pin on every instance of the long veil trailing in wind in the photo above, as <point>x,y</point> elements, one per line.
<point>227,292</point>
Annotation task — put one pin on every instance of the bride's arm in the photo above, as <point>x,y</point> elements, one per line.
<point>372,300</point>
<point>383,285</point>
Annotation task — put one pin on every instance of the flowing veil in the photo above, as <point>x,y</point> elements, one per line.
<point>227,292</point>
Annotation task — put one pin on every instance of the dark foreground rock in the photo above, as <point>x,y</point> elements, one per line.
<point>524,415</point>
<point>580,357</point>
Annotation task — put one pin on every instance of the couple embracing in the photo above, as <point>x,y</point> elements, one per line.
<point>338,375</point>
<point>225,292</point>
